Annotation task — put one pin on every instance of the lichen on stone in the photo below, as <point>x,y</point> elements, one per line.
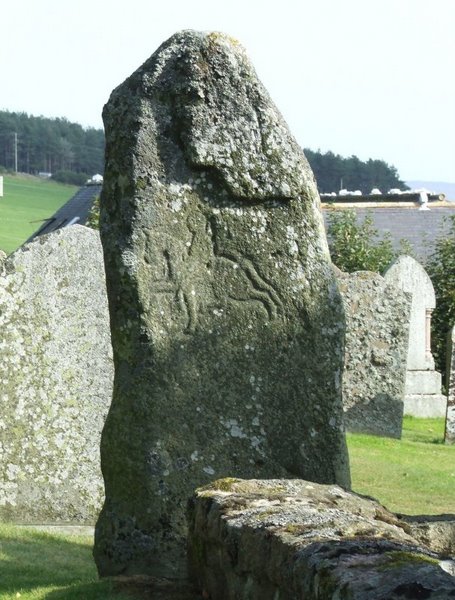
<point>56,376</point>
<point>227,325</point>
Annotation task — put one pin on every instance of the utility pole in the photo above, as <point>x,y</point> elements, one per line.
<point>15,152</point>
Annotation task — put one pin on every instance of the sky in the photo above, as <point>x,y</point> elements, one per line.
<point>370,78</point>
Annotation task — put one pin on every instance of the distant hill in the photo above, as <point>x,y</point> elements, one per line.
<point>435,186</point>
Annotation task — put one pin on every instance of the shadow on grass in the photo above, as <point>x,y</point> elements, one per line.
<point>31,561</point>
<point>100,590</point>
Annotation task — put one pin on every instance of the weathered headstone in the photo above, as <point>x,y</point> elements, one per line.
<point>376,346</point>
<point>423,396</point>
<point>450,414</point>
<point>56,378</point>
<point>227,325</point>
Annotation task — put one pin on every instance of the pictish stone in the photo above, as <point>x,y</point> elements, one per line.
<point>450,415</point>
<point>423,397</point>
<point>376,347</point>
<point>56,378</point>
<point>227,324</point>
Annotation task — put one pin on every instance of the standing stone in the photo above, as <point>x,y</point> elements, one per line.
<point>450,415</point>
<point>423,384</point>
<point>56,377</point>
<point>226,320</point>
<point>377,330</point>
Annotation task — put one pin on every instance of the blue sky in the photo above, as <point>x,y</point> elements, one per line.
<point>372,78</point>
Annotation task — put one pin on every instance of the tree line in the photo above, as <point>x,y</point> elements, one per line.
<point>71,153</point>
<point>334,172</point>
<point>35,145</point>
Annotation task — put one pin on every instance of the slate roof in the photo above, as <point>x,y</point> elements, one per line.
<point>420,227</point>
<point>400,219</point>
<point>76,210</point>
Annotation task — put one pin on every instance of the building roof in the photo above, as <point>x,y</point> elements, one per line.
<point>76,210</point>
<point>402,220</point>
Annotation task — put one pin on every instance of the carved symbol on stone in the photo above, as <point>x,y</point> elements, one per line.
<point>176,283</point>
<point>247,285</point>
<point>181,276</point>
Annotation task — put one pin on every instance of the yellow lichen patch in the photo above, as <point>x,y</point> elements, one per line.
<point>401,558</point>
<point>216,37</point>
<point>223,485</point>
<point>297,528</point>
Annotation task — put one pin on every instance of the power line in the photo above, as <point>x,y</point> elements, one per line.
<point>15,151</point>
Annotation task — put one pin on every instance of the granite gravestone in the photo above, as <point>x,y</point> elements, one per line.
<point>423,396</point>
<point>227,325</point>
<point>56,377</point>
<point>377,330</point>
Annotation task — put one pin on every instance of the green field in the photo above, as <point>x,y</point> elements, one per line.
<point>415,475</point>
<point>38,566</point>
<point>26,202</point>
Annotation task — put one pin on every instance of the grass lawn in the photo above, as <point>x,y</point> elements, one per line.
<point>415,475</point>
<point>26,202</point>
<point>38,566</point>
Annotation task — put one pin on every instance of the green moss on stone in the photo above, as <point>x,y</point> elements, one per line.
<point>401,558</point>
<point>224,485</point>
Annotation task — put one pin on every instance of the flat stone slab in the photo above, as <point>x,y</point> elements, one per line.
<point>291,539</point>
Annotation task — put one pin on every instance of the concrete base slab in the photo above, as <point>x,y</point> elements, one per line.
<point>425,405</point>
<point>423,382</point>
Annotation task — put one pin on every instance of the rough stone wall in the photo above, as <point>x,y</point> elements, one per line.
<point>376,346</point>
<point>56,378</point>
<point>287,539</point>
<point>227,324</point>
<point>450,415</point>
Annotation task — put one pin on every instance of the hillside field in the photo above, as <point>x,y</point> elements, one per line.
<point>26,202</point>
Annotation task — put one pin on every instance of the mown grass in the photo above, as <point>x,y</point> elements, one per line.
<point>37,566</point>
<point>414,475</point>
<point>26,202</point>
